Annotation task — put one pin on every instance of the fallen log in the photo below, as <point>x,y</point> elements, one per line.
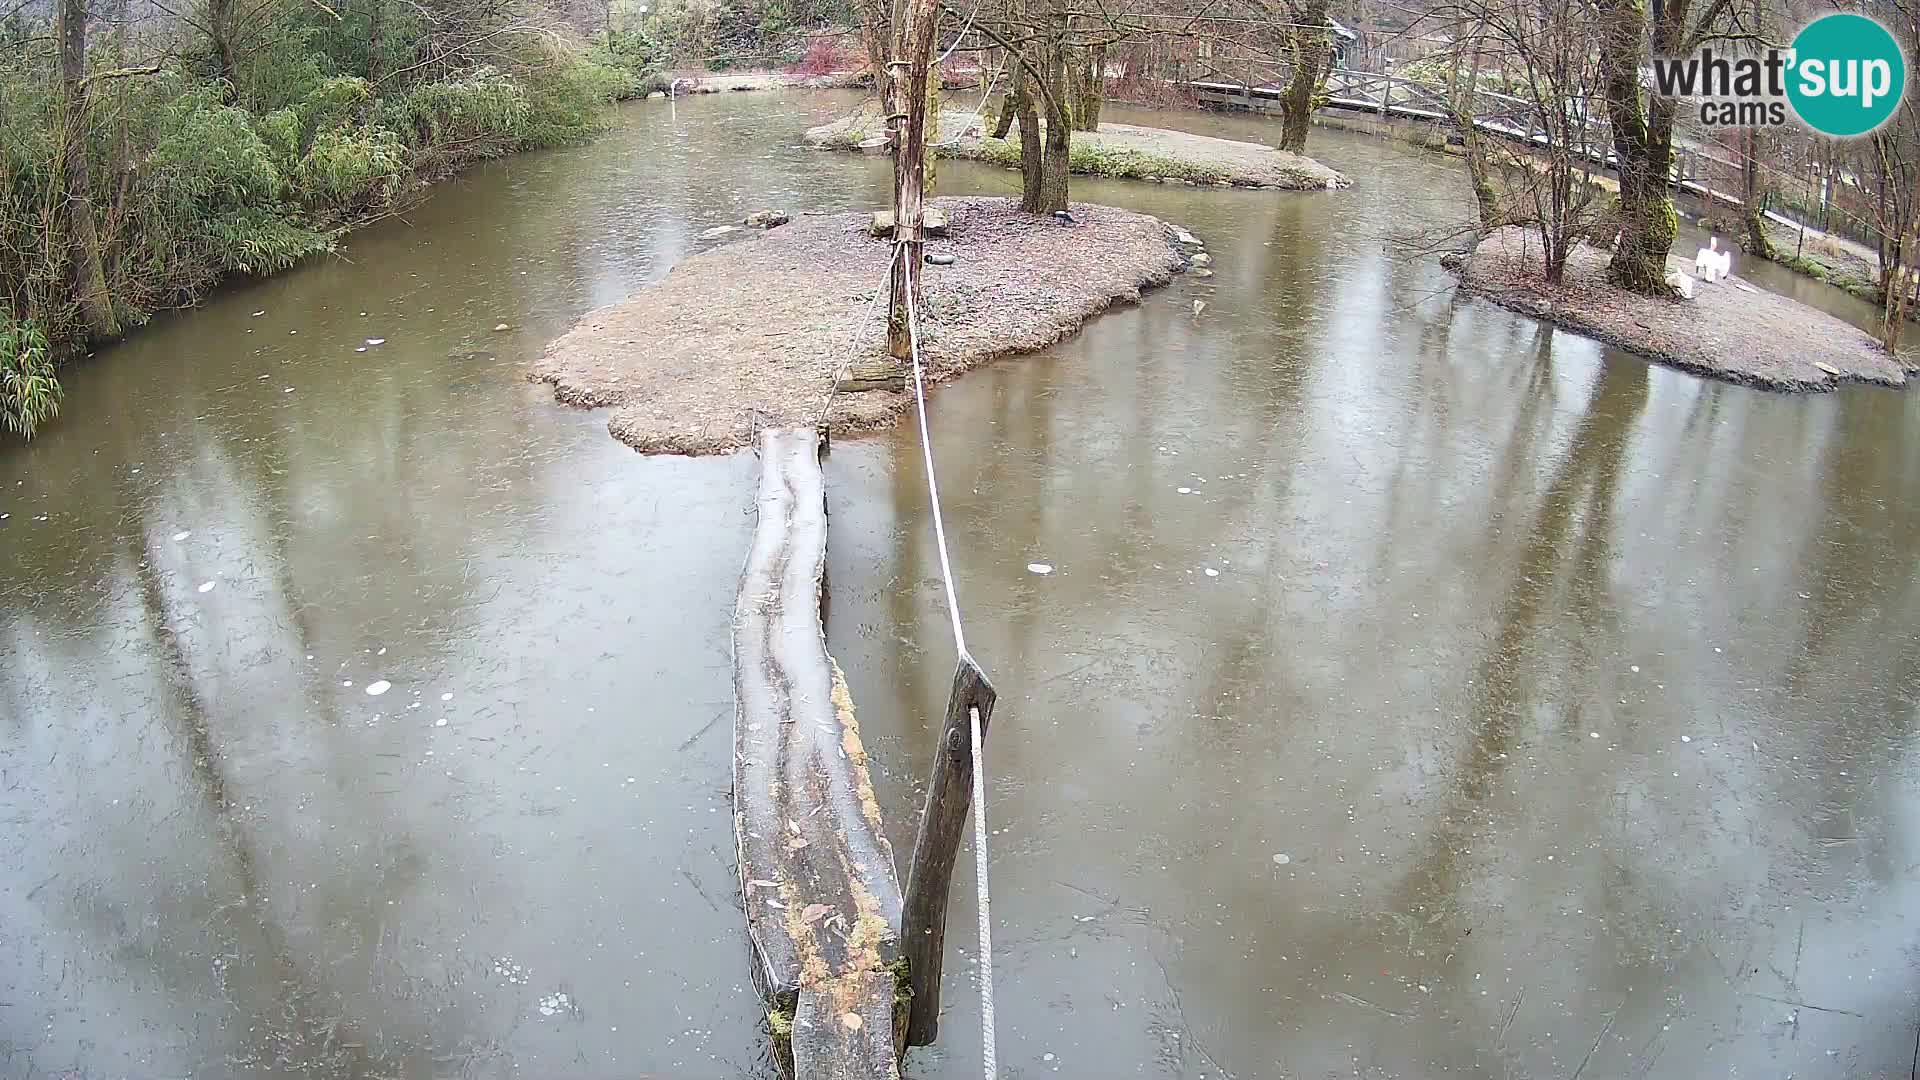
<point>817,879</point>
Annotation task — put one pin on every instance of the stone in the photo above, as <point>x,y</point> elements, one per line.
<point>940,258</point>
<point>719,231</point>
<point>876,145</point>
<point>1182,236</point>
<point>870,375</point>
<point>1201,272</point>
<point>657,95</point>
<point>933,222</point>
<point>1201,258</point>
<point>765,219</point>
<point>501,328</point>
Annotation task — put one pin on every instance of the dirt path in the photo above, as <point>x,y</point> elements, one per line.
<point>750,334</point>
<point>1730,330</point>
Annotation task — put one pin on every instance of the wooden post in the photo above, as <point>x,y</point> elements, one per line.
<point>923,929</point>
<point>907,75</point>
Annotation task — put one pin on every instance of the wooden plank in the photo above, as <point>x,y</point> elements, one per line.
<point>847,1026</point>
<point>816,872</point>
<point>949,794</point>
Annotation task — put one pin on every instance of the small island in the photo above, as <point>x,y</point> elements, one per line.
<point>1126,151</point>
<point>1729,330</point>
<point>754,333</point>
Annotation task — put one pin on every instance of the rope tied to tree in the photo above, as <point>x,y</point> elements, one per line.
<point>981,892</point>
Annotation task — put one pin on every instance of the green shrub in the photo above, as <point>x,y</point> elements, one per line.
<point>567,101</point>
<point>479,115</point>
<point>352,168</point>
<point>208,154</point>
<point>261,241</point>
<point>29,393</point>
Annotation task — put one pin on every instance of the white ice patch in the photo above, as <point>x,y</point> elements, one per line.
<point>1211,572</point>
<point>442,722</point>
<point>1039,568</point>
<point>1184,491</point>
<point>179,536</point>
<point>378,687</point>
<point>376,341</point>
<point>1282,858</point>
<point>446,697</point>
<point>207,586</point>
<point>555,1004</point>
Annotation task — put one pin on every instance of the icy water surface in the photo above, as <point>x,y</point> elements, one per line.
<point>1487,704</point>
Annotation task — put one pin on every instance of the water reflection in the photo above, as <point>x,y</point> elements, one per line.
<point>1541,707</point>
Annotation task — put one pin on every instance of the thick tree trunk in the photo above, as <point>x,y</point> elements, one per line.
<point>908,72</point>
<point>1311,50</point>
<point>86,271</point>
<point>1643,145</point>
<point>1032,157</point>
<point>1053,172</point>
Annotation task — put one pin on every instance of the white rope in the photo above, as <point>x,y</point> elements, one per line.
<point>988,1053</point>
<point>980,886</point>
<point>833,373</point>
<point>964,31</point>
<point>926,452</point>
<point>978,109</point>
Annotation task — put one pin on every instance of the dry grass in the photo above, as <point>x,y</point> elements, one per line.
<point>750,334</point>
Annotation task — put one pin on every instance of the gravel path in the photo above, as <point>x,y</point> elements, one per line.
<point>1729,330</point>
<point>1118,150</point>
<point>751,333</point>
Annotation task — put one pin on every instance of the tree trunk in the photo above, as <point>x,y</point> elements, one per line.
<point>1090,89</point>
<point>875,33</point>
<point>1007,110</point>
<point>1897,293</point>
<point>1032,158</point>
<point>1753,199</point>
<point>1643,145</point>
<point>220,29</point>
<point>1053,172</point>
<point>1311,51</point>
<point>908,72</point>
<point>85,268</point>
<point>1479,171</point>
<point>376,33</point>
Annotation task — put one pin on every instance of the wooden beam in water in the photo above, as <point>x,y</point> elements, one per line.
<point>816,872</point>
<point>942,825</point>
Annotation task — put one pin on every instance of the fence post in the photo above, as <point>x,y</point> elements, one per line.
<point>923,929</point>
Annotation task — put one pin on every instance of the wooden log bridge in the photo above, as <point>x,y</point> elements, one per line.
<point>817,878</point>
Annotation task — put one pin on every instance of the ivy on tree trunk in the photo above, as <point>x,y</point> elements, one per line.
<point>1642,142</point>
<point>1312,52</point>
<point>85,266</point>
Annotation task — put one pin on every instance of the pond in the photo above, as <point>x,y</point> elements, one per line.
<point>1418,690</point>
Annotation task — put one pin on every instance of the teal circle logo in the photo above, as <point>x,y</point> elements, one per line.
<point>1848,75</point>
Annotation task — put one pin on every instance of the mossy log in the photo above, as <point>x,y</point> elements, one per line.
<point>816,872</point>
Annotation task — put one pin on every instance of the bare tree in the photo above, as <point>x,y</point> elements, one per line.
<point>1548,61</point>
